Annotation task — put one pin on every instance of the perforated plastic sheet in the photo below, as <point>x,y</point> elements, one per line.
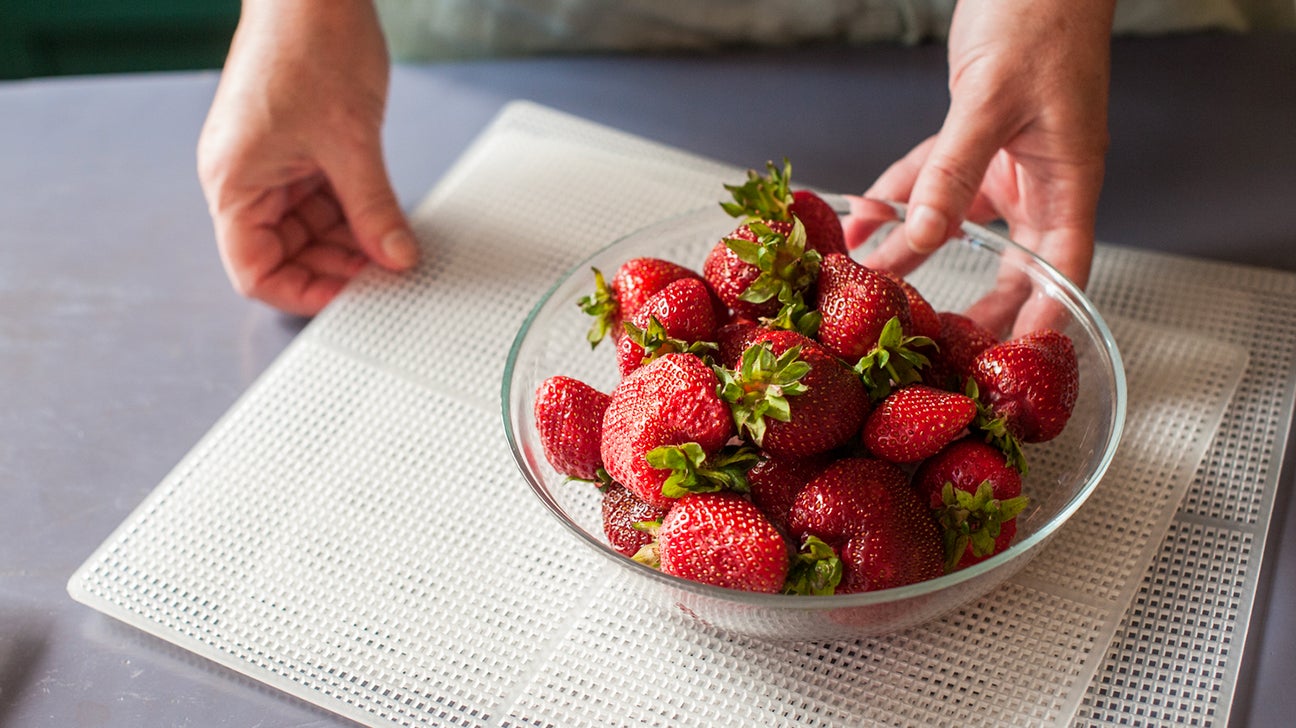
<point>321,538</point>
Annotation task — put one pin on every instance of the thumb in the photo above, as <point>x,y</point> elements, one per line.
<point>372,210</point>
<point>951,175</point>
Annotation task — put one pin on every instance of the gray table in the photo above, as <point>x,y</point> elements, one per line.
<point>121,343</point>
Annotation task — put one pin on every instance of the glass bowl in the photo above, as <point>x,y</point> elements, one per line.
<point>978,272</point>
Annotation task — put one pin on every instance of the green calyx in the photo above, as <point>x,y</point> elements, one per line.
<point>760,387</point>
<point>762,197</point>
<point>974,519</point>
<point>649,554</point>
<point>691,471</point>
<point>602,305</point>
<point>816,570</point>
<point>995,430</point>
<point>655,342</point>
<point>786,266</point>
<point>795,315</point>
<point>894,362</point>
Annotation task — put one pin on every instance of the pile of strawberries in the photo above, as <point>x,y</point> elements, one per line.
<point>789,420</point>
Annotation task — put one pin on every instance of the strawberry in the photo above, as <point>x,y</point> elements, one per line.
<point>664,429</point>
<point>883,531</point>
<point>679,317</point>
<point>976,496</point>
<point>916,422</point>
<point>864,316</point>
<point>637,280</point>
<point>733,339</point>
<point>958,342</point>
<point>824,233</point>
<point>855,302</point>
<point>763,270</point>
<point>906,552</point>
<point>723,540</point>
<point>627,521</point>
<point>770,198</point>
<point>925,321</point>
<point>775,482</point>
<point>1030,383</point>
<point>569,423</point>
<point>792,398</point>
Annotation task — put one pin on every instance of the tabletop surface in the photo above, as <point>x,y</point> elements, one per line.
<point>121,342</point>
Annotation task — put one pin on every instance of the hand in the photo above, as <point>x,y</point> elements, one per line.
<point>1024,138</point>
<point>290,157</point>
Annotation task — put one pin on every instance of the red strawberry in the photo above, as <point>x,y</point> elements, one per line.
<point>733,339</point>
<point>959,341</point>
<point>723,540</point>
<point>855,303</point>
<point>925,321</point>
<point>792,398</point>
<point>889,557</point>
<point>1030,382</point>
<point>762,269</point>
<point>770,198</point>
<point>569,423</point>
<point>670,401</point>
<point>976,496</point>
<point>637,280</point>
<point>627,521</point>
<point>775,482</point>
<point>679,317</point>
<point>917,422</point>
<point>822,224</point>
<point>884,532</point>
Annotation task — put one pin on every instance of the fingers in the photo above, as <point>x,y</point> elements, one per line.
<point>360,182</point>
<point>294,288</point>
<point>949,179</point>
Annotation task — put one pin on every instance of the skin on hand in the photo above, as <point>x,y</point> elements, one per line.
<point>290,157</point>
<point>1024,140</point>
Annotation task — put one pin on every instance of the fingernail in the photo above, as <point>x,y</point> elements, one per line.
<point>400,248</point>
<point>925,228</point>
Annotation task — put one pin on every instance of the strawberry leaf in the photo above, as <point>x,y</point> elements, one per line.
<point>762,197</point>
<point>692,473</point>
<point>995,430</point>
<point>602,305</point>
<point>759,388</point>
<point>655,342</point>
<point>894,362</point>
<point>973,519</point>
<point>816,570</point>
<point>795,315</point>
<point>786,266</point>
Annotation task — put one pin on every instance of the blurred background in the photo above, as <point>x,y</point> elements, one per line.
<point>75,37</point>
<point>79,37</point>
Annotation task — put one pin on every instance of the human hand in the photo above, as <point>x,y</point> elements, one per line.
<point>290,157</point>
<point>1024,139</point>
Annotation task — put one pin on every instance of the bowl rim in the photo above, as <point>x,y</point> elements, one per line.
<point>973,232</point>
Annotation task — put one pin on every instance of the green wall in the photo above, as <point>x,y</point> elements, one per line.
<point>72,37</point>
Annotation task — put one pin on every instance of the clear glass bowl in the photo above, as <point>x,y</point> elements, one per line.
<point>979,272</point>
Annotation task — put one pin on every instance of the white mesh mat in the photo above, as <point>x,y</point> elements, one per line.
<point>354,531</point>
